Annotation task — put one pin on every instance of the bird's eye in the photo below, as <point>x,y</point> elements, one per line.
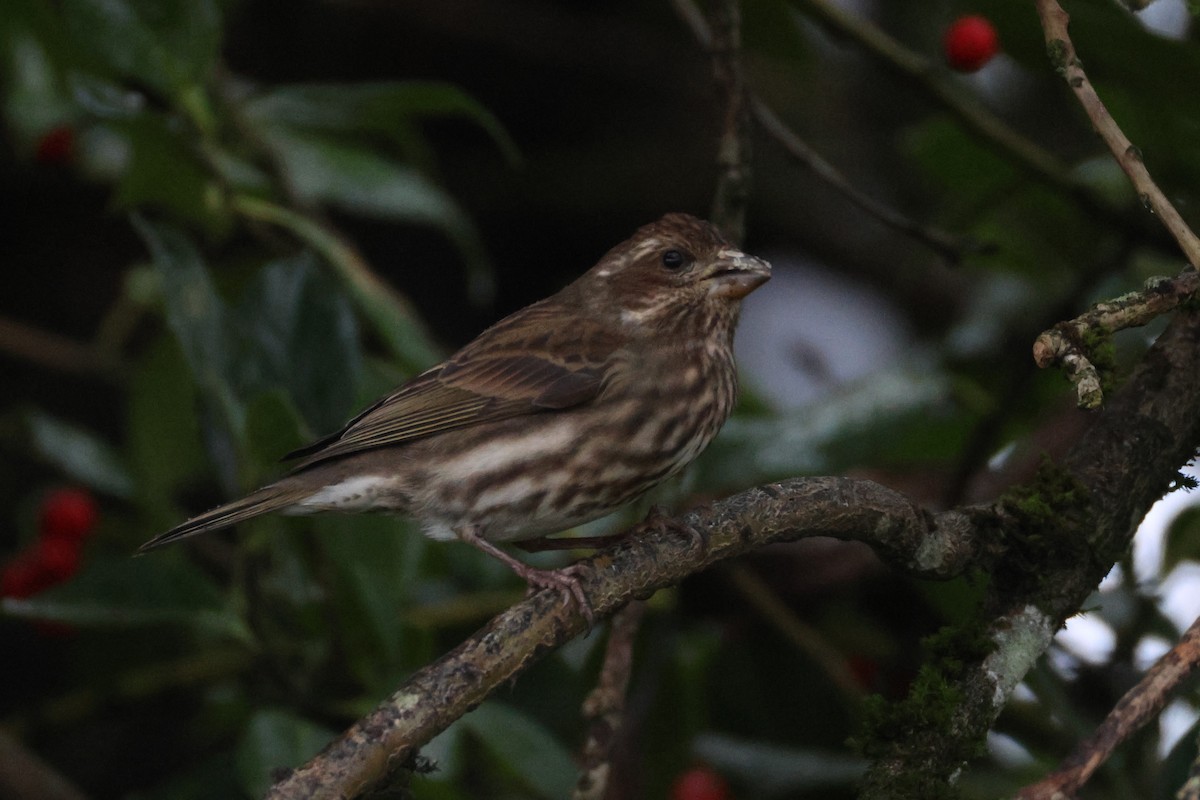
<point>673,259</point>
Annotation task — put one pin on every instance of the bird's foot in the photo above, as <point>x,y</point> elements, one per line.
<point>565,580</point>
<point>658,521</point>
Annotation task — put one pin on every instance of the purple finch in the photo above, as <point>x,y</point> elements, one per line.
<point>557,415</point>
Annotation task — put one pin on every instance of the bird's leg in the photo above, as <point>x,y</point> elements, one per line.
<point>543,543</point>
<point>565,580</point>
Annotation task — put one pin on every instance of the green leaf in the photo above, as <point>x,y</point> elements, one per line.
<point>80,454</point>
<point>163,446</point>
<point>198,318</point>
<point>24,20</point>
<point>128,593</point>
<point>273,427</point>
<point>524,747</point>
<point>170,45</point>
<point>105,99</point>
<point>384,109</point>
<point>387,314</point>
<point>303,336</point>
<point>360,180</point>
<point>162,171</point>
<point>276,740</point>
<point>376,560</point>
<point>32,92</point>
<point>1183,539</point>
<point>969,173</point>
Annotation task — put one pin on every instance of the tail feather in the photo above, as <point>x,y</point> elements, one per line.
<point>267,499</point>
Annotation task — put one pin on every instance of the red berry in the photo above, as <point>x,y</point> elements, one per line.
<point>56,146</point>
<point>700,783</point>
<point>24,576</point>
<point>68,514</point>
<point>970,42</point>
<point>58,557</point>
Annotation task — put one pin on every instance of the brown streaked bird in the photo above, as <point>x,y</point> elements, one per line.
<point>556,415</point>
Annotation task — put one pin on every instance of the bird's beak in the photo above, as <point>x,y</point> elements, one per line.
<point>735,274</point>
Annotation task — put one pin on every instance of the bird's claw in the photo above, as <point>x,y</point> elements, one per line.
<point>566,582</point>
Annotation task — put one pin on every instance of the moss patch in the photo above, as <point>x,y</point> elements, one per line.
<point>917,726</point>
<point>1047,534</point>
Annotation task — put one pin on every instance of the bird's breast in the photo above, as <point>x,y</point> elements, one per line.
<point>545,472</point>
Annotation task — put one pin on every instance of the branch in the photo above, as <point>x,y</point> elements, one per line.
<point>56,352</point>
<point>945,244</point>
<point>920,543</point>
<point>1068,343</point>
<point>23,774</point>
<point>605,706</point>
<point>1139,705</point>
<point>1062,55</point>
<point>1075,529</point>
<point>734,151</point>
<point>807,639</point>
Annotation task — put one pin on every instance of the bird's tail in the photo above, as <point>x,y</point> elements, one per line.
<point>267,499</point>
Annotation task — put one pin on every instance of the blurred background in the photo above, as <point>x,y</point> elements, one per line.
<point>229,225</point>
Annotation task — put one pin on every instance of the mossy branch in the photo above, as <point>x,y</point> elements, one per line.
<point>1060,537</point>
<point>1073,343</point>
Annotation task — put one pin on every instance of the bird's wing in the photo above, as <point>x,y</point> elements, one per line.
<point>528,363</point>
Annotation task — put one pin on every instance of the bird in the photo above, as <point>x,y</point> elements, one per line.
<point>559,414</point>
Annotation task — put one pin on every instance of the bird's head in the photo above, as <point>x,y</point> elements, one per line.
<point>678,271</point>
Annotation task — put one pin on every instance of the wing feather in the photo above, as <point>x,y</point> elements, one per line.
<point>497,376</point>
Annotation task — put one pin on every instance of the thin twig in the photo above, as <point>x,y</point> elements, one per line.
<point>734,150</point>
<point>1062,55</point>
<point>1139,705</point>
<point>922,73</point>
<point>946,245</point>
<point>604,707</point>
<point>941,242</point>
<point>56,352</point>
<point>23,774</point>
<point>804,637</point>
